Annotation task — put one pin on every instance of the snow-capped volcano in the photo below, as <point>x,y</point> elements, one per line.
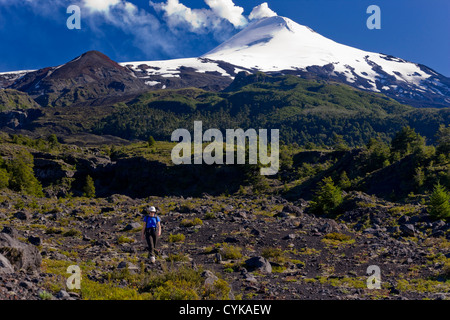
<point>280,45</point>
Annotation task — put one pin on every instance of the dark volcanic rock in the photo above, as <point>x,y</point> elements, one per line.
<point>408,229</point>
<point>258,263</point>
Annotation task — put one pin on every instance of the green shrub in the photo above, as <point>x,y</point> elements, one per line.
<point>336,239</point>
<point>439,205</point>
<point>151,141</point>
<point>327,197</point>
<point>72,233</point>
<point>89,188</point>
<point>179,237</point>
<point>175,290</point>
<point>44,295</point>
<point>191,223</point>
<point>406,141</point>
<point>443,140</point>
<point>220,290</point>
<point>338,236</point>
<point>210,215</point>
<point>230,252</point>
<point>344,181</point>
<point>274,254</point>
<point>54,230</point>
<point>123,239</point>
<point>4,178</point>
<point>177,257</point>
<point>22,177</point>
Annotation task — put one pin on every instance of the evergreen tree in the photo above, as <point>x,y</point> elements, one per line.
<point>439,205</point>
<point>378,155</point>
<point>339,143</point>
<point>443,140</point>
<point>89,188</point>
<point>406,141</point>
<point>327,197</point>
<point>4,178</point>
<point>344,181</point>
<point>22,175</point>
<point>151,141</point>
<point>53,140</point>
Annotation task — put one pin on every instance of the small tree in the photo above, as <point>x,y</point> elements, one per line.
<point>344,181</point>
<point>89,188</point>
<point>151,141</point>
<point>406,141</point>
<point>443,140</point>
<point>439,205</point>
<point>22,177</point>
<point>339,143</point>
<point>327,197</point>
<point>4,178</point>
<point>53,140</point>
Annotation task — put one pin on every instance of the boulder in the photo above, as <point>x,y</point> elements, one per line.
<point>289,208</point>
<point>22,215</point>
<point>5,266</point>
<point>282,214</point>
<point>35,240</point>
<point>10,231</point>
<point>21,256</point>
<point>248,277</point>
<point>408,229</point>
<point>62,294</point>
<point>133,226</point>
<point>329,227</point>
<point>258,263</point>
<point>210,278</point>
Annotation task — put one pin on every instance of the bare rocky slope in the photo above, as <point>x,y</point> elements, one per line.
<point>262,248</point>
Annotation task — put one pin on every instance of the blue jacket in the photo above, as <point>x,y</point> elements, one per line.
<point>151,222</point>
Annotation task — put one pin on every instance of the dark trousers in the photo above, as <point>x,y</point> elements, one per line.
<point>152,240</point>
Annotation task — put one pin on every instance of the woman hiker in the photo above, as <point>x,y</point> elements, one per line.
<point>151,231</point>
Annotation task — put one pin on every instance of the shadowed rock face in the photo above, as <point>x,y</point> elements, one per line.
<point>90,76</point>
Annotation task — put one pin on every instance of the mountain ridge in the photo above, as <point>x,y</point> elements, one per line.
<point>274,45</point>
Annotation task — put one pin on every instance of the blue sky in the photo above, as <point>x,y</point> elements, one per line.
<point>33,33</point>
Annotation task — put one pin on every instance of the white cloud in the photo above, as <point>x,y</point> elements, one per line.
<point>168,33</point>
<point>178,14</point>
<point>145,30</point>
<point>227,10</point>
<point>100,5</point>
<point>261,11</point>
<point>202,20</point>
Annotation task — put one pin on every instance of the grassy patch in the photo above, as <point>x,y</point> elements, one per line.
<point>229,251</point>
<point>123,239</point>
<point>337,239</point>
<point>179,237</point>
<point>191,222</point>
<point>72,233</point>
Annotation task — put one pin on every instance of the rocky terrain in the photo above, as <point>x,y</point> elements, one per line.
<point>246,247</point>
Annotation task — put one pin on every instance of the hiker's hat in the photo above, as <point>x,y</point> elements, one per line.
<point>151,209</point>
